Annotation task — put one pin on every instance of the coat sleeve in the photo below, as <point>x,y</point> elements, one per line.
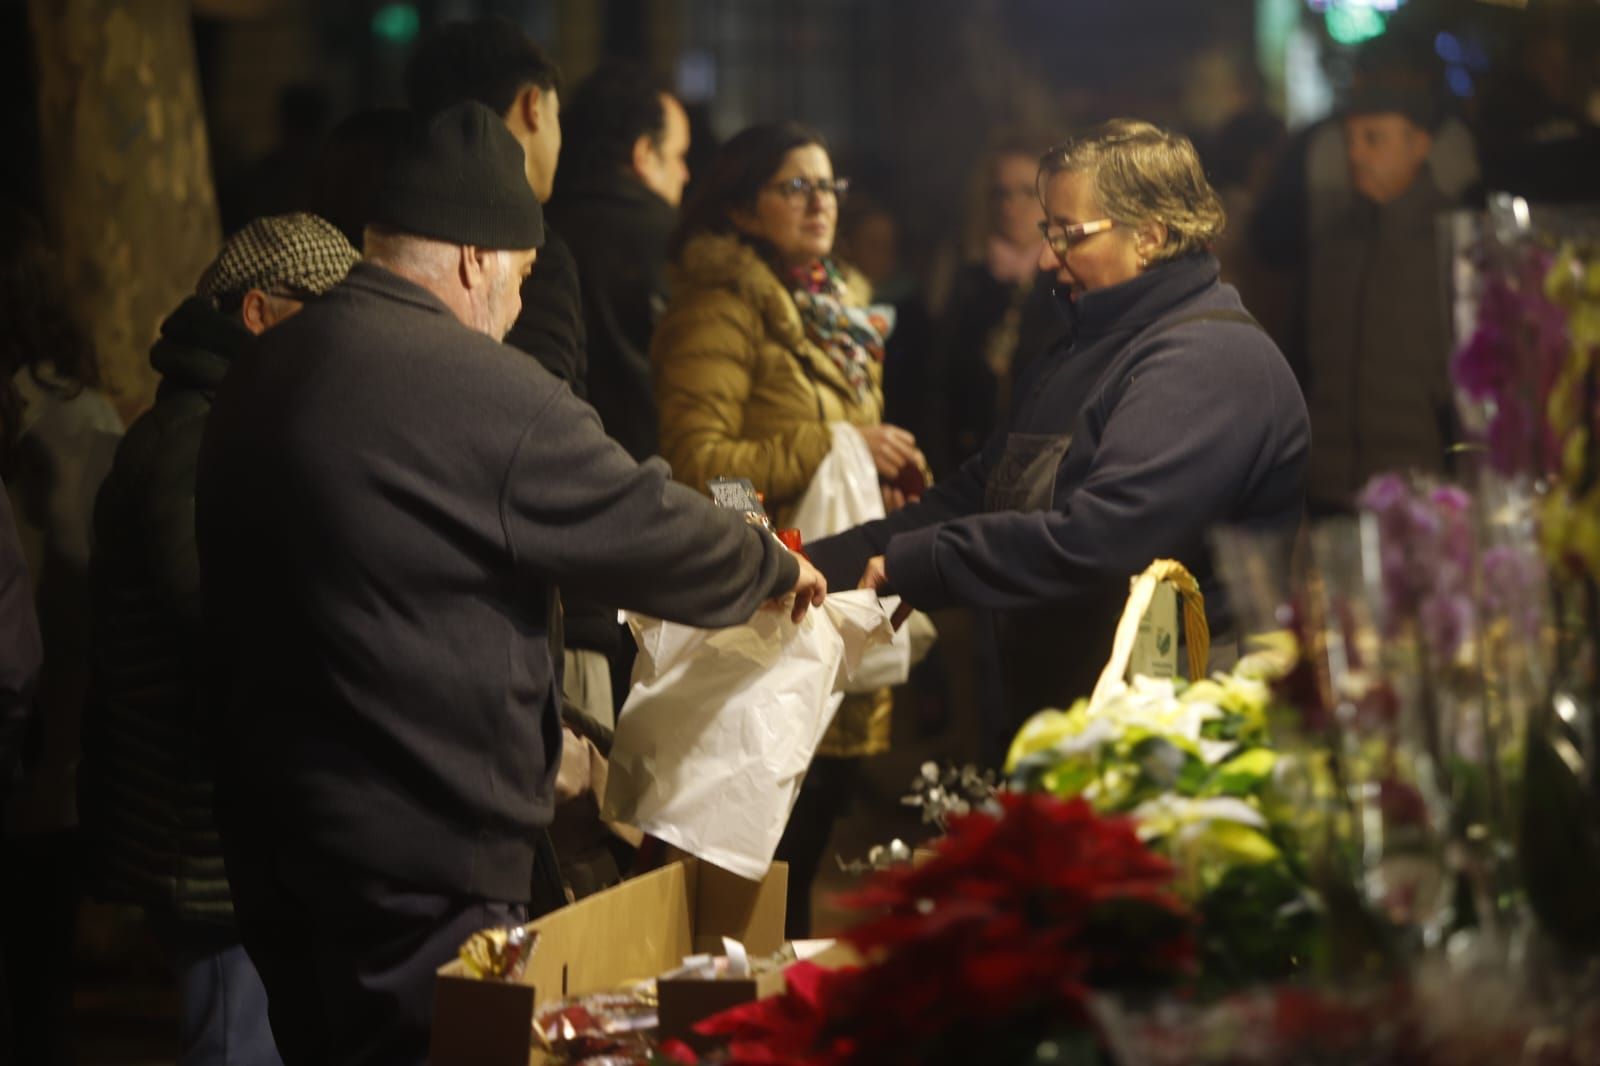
<point>577,510</point>
<point>1179,447</point>
<point>705,356</point>
<point>20,649</point>
<point>843,557</point>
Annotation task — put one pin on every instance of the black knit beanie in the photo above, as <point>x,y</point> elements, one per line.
<point>458,177</point>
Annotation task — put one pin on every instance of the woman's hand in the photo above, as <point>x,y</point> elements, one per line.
<point>892,448</point>
<point>893,498</point>
<point>875,577</point>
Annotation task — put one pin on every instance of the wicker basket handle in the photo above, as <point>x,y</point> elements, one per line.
<point>1197,633</point>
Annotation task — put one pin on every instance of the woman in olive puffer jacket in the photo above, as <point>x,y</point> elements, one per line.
<point>765,344</point>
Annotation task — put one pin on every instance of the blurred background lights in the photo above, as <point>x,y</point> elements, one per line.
<point>396,23</point>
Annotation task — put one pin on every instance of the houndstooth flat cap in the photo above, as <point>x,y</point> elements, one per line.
<point>298,253</point>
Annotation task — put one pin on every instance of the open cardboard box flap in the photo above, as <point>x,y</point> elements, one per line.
<point>638,929</point>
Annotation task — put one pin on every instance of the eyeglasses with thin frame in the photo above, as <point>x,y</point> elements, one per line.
<point>802,189</point>
<point>1062,239</point>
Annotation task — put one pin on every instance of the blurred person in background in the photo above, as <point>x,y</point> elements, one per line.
<point>993,312</point>
<point>62,431</point>
<point>624,142</point>
<point>766,343</point>
<point>869,241</point>
<point>1377,338</point>
<point>148,776</point>
<point>621,180</point>
<point>494,62</point>
<point>1540,138</point>
<point>345,175</point>
<point>1239,162</point>
<point>20,655</point>
<point>277,182</point>
<point>1165,413</point>
<point>979,310</point>
<point>1310,191</point>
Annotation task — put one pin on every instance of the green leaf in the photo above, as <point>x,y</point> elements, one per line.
<point>1069,778</point>
<point>1241,775</point>
<point>1240,842</point>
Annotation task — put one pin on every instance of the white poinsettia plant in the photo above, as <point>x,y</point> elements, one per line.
<point>1192,765</point>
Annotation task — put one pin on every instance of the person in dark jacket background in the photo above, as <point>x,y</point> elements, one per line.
<point>493,61</point>
<point>616,202</point>
<point>145,786</point>
<point>19,639</point>
<point>1377,337</point>
<point>58,432</point>
<point>621,179</point>
<point>1167,412</point>
<point>21,654</point>
<point>387,498</point>
<point>624,138</point>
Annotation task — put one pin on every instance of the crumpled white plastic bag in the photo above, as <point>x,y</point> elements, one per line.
<point>844,491</point>
<point>721,724</point>
<point>843,494</point>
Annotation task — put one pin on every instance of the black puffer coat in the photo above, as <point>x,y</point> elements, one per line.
<point>145,785</point>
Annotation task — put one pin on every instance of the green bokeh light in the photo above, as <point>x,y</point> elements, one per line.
<point>396,23</point>
<point>1354,23</point>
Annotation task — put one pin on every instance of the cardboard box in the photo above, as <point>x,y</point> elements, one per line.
<point>638,929</point>
<point>686,1000</point>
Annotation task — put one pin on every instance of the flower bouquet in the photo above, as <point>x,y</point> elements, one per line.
<point>1528,381</point>
<point>1191,765</point>
<point>987,952</point>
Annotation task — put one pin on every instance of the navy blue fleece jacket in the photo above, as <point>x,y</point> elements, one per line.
<point>1176,425</point>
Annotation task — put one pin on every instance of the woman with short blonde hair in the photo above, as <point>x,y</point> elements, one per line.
<point>1141,174</point>
<point>1165,413</point>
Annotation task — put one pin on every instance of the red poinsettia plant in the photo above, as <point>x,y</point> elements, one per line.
<point>976,955</point>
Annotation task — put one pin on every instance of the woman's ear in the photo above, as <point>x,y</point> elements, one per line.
<point>1148,240</point>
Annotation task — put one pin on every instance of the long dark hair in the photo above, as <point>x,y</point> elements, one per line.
<point>37,327</point>
<point>735,178</point>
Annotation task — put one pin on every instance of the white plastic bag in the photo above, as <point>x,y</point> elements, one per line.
<point>843,494</point>
<point>721,724</point>
<point>844,491</point>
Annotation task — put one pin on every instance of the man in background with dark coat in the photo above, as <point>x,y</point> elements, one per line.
<point>492,61</point>
<point>1377,339</point>
<point>617,197</point>
<point>21,655</point>
<point>145,786</point>
<point>20,651</point>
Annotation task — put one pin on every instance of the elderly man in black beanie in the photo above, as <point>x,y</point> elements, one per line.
<point>387,497</point>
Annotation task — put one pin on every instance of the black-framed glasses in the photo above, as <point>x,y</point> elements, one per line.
<point>1062,239</point>
<point>802,189</point>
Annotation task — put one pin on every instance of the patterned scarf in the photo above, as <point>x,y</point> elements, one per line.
<point>853,337</point>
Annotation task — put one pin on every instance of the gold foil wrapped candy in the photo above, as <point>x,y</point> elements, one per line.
<point>498,954</point>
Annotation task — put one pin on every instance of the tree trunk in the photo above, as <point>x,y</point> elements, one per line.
<point>125,170</point>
